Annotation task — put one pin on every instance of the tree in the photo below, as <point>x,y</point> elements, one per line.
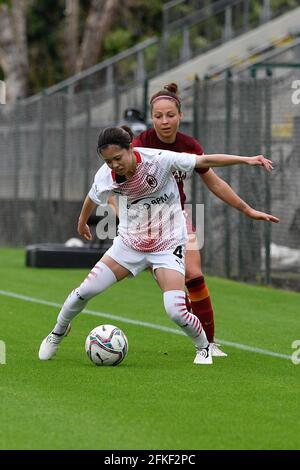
<point>101,17</point>
<point>14,41</point>
<point>13,47</point>
<point>85,45</point>
<point>71,35</point>
<point>32,31</point>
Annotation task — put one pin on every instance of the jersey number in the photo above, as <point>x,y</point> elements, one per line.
<point>178,252</point>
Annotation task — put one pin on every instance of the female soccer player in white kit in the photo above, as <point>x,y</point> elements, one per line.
<point>151,233</point>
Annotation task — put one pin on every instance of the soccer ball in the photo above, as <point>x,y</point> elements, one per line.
<point>106,345</point>
<point>74,242</point>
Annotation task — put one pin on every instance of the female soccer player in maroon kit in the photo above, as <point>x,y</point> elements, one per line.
<point>166,116</point>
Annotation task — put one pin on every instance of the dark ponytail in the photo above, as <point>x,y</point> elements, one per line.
<point>172,88</point>
<point>121,136</point>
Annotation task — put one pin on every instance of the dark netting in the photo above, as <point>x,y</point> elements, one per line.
<point>250,117</point>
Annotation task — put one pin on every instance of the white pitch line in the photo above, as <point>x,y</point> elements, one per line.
<point>141,323</point>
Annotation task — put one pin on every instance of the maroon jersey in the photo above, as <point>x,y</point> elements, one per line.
<point>183,143</point>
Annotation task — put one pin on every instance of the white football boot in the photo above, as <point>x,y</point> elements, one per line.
<point>216,351</point>
<point>203,356</point>
<point>50,344</point>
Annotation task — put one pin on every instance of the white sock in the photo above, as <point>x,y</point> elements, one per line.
<point>98,280</point>
<point>174,301</point>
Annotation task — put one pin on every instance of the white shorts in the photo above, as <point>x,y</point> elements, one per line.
<point>137,261</point>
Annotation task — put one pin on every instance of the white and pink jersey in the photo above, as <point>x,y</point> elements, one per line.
<point>150,213</point>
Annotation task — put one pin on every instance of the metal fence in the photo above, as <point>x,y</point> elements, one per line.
<point>48,160</point>
<point>181,11</point>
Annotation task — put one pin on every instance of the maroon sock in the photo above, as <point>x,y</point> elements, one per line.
<point>201,305</point>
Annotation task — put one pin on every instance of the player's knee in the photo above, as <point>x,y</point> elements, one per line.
<point>175,306</point>
<point>98,280</point>
<point>85,293</point>
<point>88,290</point>
<point>173,313</point>
<point>191,275</point>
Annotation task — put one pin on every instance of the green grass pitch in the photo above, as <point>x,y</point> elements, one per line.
<point>157,398</point>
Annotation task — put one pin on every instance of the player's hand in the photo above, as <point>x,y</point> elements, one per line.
<point>257,215</point>
<point>84,231</point>
<point>260,160</point>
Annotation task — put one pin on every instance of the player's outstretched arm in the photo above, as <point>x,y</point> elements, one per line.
<point>217,160</point>
<point>223,191</point>
<point>258,215</point>
<point>82,228</point>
